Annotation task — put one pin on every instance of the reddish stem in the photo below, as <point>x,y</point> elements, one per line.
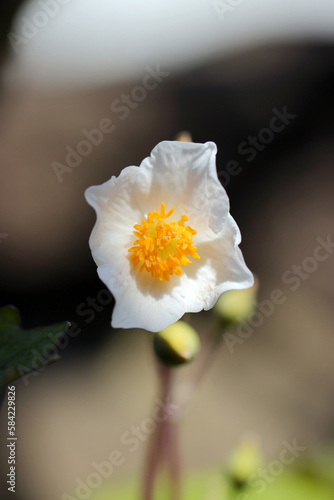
<point>163,447</point>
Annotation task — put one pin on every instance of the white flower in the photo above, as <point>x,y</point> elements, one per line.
<point>157,266</point>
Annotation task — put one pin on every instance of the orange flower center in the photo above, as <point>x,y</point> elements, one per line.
<point>162,247</point>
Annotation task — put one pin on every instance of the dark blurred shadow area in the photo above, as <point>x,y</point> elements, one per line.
<point>7,13</point>
<point>270,111</point>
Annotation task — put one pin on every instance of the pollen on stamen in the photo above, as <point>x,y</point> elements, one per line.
<point>162,246</point>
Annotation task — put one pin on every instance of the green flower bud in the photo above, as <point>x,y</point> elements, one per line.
<point>245,460</point>
<point>235,306</point>
<point>177,344</point>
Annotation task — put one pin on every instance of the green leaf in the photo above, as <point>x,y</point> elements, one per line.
<point>23,352</point>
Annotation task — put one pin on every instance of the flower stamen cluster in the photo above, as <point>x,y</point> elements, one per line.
<point>162,247</point>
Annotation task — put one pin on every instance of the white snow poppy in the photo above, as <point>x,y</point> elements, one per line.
<point>164,240</point>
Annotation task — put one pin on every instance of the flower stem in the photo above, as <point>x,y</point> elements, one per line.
<point>164,446</point>
<point>173,460</point>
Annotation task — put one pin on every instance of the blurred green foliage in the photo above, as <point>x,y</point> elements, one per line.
<point>25,351</point>
<point>310,478</point>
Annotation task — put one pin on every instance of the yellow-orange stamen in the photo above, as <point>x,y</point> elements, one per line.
<point>162,247</point>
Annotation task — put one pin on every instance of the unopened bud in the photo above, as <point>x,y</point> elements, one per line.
<point>184,136</point>
<point>177,344</point>
<point>245,460</point>
<point>235,306</point>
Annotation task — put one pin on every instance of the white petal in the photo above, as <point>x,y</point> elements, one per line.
<point>145,302</point>
<point>184,176</point>
<point>221,267</point>
<point>223,257</point>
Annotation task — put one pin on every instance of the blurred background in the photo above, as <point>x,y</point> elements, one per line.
<point>221,70</point>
